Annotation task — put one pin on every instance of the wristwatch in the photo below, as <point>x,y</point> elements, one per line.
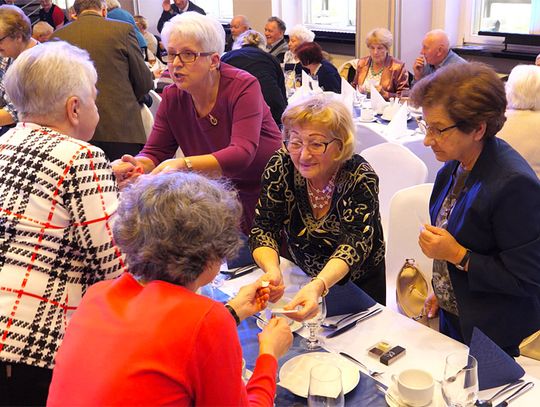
<point>461,265</point>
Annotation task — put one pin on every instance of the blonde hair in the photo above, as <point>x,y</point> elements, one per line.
<point>326,113</point>
<point>379,36</point>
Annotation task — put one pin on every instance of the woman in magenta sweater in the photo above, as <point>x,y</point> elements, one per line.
<point>147,338</point>
<point>215,113</point>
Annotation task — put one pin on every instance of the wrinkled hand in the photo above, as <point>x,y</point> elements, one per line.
<point>418,67</point>
<point>277,288</point>
<point>438,243</point>
<point>308,299</point>
<point>126,170</point>
<point>251,298</point>
<point>276,338</point>
<point>166,5</point>
<point>431,306</point>
<point>174,164</point>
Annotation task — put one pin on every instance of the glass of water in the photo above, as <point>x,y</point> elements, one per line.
<point>325,386</point>
<point>460,380</point>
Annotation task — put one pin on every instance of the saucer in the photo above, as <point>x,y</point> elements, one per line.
<point>373,119</point>
<point>295,326</point>
<point>393,399</point>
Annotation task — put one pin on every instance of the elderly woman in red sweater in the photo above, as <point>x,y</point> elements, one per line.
<point>153,339</point>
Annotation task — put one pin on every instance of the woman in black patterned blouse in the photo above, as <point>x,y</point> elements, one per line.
<point>323,200</point>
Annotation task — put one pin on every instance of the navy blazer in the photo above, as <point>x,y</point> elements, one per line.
<point>497,217</point>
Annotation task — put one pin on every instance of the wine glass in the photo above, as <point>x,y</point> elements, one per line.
<point>314,325</point>
<point>325,386</point>
<point>460,381</point>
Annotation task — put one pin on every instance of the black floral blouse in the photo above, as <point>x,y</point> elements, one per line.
<point>351,230</point>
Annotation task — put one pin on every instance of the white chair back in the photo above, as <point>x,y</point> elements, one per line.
<point>156,100</point>
<point>147,119</point>
<point>397,168</point>
<point>409,208</point>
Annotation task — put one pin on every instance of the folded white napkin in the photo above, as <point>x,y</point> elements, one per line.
<point>297,378</point>
<point>398,125</point>
<point>347,93</point>
<point>377,101</point>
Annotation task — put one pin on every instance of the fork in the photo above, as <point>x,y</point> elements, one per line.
<point>335,325</point>
<point>372,373</point>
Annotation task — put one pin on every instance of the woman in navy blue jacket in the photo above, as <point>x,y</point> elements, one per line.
<point>485,208</point>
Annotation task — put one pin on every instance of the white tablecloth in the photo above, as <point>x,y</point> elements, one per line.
<point>425,347</point>
<point>371,134</point>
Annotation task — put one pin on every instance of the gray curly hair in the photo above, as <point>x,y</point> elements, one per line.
<point>172,225</point>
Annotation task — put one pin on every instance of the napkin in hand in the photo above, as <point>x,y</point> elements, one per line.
<point>398,125</point>
<point>347,299</point>
<point>347,94</point>
<point>495,366</point>
<point>377,101</point>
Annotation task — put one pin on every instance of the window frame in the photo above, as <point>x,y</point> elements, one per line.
<point>306,6</point>
<point>468,23</point>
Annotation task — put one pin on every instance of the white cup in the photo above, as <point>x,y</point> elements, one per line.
<point>414,387</point>
<point>366,115</point>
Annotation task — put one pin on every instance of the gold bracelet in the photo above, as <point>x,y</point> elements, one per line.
<point>325,291</point>
<point>188,163</point>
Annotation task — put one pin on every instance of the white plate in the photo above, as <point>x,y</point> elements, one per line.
<point>436,402</point>
<point>295,372</point>
<point>386,119</point>
<point>295,325</point>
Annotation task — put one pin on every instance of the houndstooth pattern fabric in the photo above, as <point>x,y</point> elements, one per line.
<point>57,195</point>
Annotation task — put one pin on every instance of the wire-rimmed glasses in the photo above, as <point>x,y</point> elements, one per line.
<point>426,129</point>
<point>295,146</point>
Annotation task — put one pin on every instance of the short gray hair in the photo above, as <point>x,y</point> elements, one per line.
<point>14,22</point>
<point>68,71</point>
<point>301,32</point>
<point>172,225</point>
<point>82,5</point>
<point>205,30</point>
<point>523,88</point>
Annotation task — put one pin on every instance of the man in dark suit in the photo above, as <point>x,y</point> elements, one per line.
<point>123,77</point>
<point>179,6</point>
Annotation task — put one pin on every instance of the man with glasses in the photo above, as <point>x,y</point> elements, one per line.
<point>123,77</point>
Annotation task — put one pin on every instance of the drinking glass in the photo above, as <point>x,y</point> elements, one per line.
<point>460,381</point>
<point>314,324</point>
<point>325,386</point>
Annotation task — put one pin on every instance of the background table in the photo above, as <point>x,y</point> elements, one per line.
<point>371,134</point>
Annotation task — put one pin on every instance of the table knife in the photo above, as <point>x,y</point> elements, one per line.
<point>353,324</point>
<point>240,271</point>
<point>527,386</point>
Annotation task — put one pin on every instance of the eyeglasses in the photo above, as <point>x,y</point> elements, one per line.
<point>433,131</point>
<point>4,37</point>
<point>295,146</point>
<point>186,57</point>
